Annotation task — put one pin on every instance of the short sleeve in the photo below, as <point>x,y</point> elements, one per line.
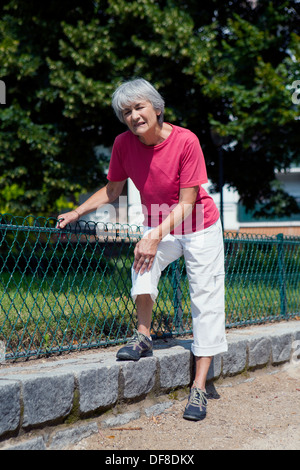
<point>116,171</point>
<point>192,165</point>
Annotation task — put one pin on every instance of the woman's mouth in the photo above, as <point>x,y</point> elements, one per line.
<point>139,124</point>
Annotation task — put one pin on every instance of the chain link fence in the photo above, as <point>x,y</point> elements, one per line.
<point>67,290</point>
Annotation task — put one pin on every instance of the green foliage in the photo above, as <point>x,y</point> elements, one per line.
<point>224,68</point>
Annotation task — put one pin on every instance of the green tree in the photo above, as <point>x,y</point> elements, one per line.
<point>250,76</point>
<point>45,158</point>
<point>225,70</point>
<point>229,71</point>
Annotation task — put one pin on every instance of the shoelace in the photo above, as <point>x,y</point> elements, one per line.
<point>197,397</point>
<point>134,339</point>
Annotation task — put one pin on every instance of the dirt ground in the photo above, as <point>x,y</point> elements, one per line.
<point>260,411</point>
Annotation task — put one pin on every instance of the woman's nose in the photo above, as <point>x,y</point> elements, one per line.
<point>134,114</point>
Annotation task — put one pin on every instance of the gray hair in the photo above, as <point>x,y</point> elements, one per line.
<point>133,90</point>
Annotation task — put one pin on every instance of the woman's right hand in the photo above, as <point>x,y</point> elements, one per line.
<point>67,218</point>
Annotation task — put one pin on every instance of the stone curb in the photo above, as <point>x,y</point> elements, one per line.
<point>68,390</point>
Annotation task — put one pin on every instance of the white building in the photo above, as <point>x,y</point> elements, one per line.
<point>290,180</point>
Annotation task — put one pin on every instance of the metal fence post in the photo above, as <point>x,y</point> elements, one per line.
<point>177,297</point>
<point>281,274</point>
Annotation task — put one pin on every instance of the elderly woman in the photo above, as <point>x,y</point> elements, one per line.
<point>166,164</point>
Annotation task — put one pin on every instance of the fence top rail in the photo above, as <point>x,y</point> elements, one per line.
<point>42,224</point>
<point>260,237</point>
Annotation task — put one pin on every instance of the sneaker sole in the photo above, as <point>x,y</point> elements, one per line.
<point>194,417</point>
<point>126,356</point>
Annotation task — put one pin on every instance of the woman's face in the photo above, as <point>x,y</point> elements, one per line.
<point>141,119</point>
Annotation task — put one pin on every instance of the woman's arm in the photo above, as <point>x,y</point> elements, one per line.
<point>146,248</point>
<point>105,195</point>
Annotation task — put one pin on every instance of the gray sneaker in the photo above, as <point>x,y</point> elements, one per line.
<point>195,409</point>
<point>138,346</point>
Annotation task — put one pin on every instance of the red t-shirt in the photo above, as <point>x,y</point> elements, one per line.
<point>160,171</point>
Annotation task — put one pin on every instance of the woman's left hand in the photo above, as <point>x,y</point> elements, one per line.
<point>144,254</point>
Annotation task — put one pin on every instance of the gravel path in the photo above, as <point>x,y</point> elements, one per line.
<point>260,411</point>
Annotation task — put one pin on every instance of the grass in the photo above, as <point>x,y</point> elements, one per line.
<point>44,313</point>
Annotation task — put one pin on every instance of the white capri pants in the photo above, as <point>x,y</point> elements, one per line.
<point>204,259</point>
